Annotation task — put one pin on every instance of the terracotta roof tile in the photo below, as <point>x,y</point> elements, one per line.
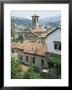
<point>37,48</point>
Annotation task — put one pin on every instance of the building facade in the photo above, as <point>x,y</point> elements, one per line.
<point>53,41</point>
<point>31,54</point>
<point>37,61</point>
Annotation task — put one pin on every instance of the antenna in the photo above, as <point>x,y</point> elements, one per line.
<point>35,13</point>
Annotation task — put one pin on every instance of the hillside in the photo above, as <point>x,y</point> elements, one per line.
<point>52,21</point>
<point>21,21</point>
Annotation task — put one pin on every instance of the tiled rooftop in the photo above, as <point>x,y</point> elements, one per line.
<point>29,47</point>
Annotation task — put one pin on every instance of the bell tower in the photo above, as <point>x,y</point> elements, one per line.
<point>34,21</point>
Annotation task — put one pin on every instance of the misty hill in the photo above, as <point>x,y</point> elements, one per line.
<point>52,21</point>
<point>21,21</point>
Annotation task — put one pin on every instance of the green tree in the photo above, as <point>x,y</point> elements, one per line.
<point>15,63</point>
<point>20,38</point>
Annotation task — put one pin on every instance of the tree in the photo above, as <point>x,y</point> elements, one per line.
<point>20,38</point>
<point>54,64</point>
<point>15,63</point>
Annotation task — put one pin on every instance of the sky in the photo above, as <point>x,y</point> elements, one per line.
<point>42,14</point>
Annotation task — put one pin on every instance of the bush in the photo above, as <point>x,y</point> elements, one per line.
<point>31,74</point>
<point>15,63</point>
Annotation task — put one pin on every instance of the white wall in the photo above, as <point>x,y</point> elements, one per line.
<point>55,36</point>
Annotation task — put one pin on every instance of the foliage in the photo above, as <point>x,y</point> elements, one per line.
<point>16,74</point>
<point>15,63</point>
<point>54,63</point>
<point>20,38</point>
<point>55,59</point>
<point>32,74</point>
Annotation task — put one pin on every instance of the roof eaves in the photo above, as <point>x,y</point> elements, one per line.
<point>53,30</point>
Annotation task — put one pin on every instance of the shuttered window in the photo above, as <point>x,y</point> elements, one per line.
<point>33,60</point>
<point>26,58</point>
<point>57,45</point>
<point>42,61</point>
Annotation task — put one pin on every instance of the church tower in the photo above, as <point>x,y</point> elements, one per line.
<point>34,21</point>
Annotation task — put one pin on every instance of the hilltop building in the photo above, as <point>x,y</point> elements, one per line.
<point>38,41</point>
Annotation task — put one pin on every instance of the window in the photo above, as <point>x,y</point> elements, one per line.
<point>21,57</point>
<point>12,51</point>
<point>33,60</point>
<point>57,45</point>
<point>26,58</point>
<point>42,61</point>
<point>60,47</point>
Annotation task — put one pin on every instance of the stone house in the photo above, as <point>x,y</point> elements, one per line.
<point>32,54</point>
